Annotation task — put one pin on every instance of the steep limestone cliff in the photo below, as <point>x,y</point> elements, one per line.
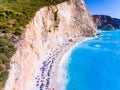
<point>51,28</point>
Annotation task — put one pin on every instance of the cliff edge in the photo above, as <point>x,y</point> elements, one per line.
<point>50,29</point>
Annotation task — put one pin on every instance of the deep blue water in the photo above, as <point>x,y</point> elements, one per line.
<point>95,64</point>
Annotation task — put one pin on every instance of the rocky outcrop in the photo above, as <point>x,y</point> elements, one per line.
<point>105,22</point>
<point>51,28</point>
<point>108,27</point>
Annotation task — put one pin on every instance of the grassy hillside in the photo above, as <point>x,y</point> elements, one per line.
<point>14,15</point>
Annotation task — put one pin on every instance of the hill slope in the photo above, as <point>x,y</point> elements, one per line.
<point>106,22</point>
<point>14,15</point>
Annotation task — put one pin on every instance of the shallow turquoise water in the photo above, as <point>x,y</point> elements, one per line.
<point>95,64</point>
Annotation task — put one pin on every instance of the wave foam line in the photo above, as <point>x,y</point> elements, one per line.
<point>63,78</point>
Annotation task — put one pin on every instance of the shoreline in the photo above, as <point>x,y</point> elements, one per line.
<point>44,73</point>
<point>59,74</point>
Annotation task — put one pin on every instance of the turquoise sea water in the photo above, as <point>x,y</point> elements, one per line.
<point>95,64</point>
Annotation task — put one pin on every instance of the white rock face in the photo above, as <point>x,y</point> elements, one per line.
<point>51,28</point>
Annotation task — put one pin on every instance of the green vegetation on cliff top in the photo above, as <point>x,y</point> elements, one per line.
<point>14,15</point>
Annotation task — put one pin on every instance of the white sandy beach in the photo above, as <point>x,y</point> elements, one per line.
<point>58,76</point>
<point>53,69</point>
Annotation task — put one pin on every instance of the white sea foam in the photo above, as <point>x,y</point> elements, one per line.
<point>97,45</point>
<point>63,78</point>
<point>62,74</point>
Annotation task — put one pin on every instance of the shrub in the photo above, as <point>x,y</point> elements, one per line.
<point>3,77</point>
<point>56,15</point>
<point>18,32</point>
